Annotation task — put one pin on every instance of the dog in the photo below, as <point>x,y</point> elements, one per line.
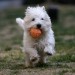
<point>36,50</point>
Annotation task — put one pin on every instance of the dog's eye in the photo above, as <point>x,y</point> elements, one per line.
<point>42,18</point>
<point>33,19</point>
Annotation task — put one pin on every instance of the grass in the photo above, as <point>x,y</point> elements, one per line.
<point>11,57</point>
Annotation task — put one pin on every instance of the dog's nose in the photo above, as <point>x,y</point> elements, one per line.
<point>38,25</point>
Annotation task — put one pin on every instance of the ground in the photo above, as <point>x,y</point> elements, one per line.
<point>11,57</point>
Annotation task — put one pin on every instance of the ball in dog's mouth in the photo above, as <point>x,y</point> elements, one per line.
<point>35,32</point>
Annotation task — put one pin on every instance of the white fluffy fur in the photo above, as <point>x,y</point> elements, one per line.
<point>37,49</point>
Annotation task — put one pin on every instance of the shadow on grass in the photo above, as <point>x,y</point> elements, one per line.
<point>41,66</point>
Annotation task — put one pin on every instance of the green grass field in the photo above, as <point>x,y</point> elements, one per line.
<point>11,57</point>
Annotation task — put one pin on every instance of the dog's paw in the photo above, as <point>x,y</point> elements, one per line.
<point>20,22</point>
<point>34,59</point>
<point>49,51</point>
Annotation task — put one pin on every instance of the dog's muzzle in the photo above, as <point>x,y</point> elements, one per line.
<point>39,26</point>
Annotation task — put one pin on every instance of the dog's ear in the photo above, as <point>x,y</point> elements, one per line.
<point>28,7</point>
<point>27,10</point>
<point>20,22</point>
<point>43,7</point>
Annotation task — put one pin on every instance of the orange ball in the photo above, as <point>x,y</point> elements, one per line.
<point>35,32</point>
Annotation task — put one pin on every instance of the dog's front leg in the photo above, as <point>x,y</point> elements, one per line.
<point>27,60</point>
<point>32,57</point>
<point>49,50</point>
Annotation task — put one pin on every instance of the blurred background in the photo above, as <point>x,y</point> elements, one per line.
<point>62,13</point>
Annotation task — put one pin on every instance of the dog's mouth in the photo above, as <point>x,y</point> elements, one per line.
<point>36,28</point>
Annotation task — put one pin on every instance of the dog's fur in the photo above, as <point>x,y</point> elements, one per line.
<point>37,49</point>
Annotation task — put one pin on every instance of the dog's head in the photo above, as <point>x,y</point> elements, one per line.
<point>35,17</point>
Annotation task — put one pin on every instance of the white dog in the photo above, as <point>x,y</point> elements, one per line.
<point>37,49</point>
